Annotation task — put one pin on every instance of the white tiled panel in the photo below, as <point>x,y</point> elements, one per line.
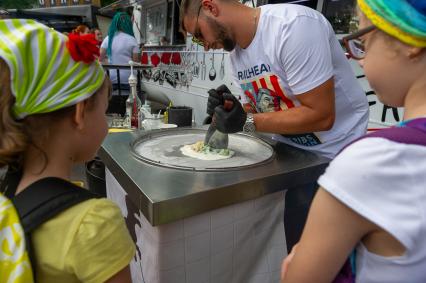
<point>241,243</point>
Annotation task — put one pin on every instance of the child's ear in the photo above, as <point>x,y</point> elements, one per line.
<point>415,52</point>
<point>79,114</point>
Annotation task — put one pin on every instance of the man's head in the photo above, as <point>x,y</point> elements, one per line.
<point>204,20</point>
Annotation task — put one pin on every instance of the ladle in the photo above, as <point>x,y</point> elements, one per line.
<point>212,72</point>
<point>203,67</point>
<point>196,66</point>
<point>222,67</point>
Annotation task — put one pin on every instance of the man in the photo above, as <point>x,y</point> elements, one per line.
<point>296,80</point>
<point>289,52</point>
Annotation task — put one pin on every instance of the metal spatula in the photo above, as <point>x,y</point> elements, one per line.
<point>215,138</point>
<point>218,140</point>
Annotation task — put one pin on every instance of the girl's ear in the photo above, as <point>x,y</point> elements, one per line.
<point>80,112</point>
<point>415,52</point>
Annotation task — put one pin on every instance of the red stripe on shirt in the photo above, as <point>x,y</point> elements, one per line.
<point>279,91</point>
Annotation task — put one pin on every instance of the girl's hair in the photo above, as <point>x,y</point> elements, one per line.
<point>80,29</point>
<point>120,22</point>
<point>13,140</point>
<point>17,135</point>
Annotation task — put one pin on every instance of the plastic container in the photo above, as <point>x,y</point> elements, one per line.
<point>180,115</point>
<point>152,123</point>
<point>146,110</point>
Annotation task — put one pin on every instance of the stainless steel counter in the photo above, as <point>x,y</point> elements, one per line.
<point>164,195</point>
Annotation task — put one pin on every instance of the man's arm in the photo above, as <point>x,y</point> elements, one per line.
<point>316,113</point>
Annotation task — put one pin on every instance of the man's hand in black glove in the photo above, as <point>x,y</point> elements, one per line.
<point>215,98</point>
<point>231,121</point>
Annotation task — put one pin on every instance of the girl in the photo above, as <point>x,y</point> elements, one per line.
<point>119,47</point>
<point>81,29</point>
<point>373,195</point>
<point>53,97</point>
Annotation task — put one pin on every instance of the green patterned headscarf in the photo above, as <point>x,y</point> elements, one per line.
<point>403,19</point>
<point>44,75</point>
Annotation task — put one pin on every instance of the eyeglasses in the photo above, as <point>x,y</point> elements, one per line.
<point>355,45</point>
<point>197,37</point>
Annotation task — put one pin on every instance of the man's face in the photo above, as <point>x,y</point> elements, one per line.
<point>208,32</point>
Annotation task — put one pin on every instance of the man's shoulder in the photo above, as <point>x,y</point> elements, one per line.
<point>288,13</point>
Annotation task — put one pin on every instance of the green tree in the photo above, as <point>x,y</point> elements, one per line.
<point>107,2</point>
<point>17,4</point>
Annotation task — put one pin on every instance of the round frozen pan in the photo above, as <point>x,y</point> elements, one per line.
<point>162,148</point>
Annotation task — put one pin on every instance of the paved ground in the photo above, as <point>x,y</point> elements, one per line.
<point>78,173</point>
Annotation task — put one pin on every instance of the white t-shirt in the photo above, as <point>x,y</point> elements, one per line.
<point>385,182</point>
<point>294,51</point>
<point>123,47</point>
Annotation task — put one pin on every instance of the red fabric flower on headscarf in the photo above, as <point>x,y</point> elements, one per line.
<point>83,47</point>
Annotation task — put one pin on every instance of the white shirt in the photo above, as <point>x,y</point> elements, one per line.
<point>385,182</point>
<point>123,48</point>
<point>294,51</point>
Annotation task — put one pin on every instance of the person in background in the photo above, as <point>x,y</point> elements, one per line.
<point>299,85</point>
<point>119,47</point>
<point>50,121</point>
<point>373,195</point>
<point>98,35</point>
<point>81,29</point>
<point>164,41</point>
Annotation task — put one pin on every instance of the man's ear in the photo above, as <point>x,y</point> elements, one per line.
<point>80,112</point>
<point>210,7</point>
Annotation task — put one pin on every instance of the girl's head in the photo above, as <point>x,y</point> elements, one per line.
<point>98,34</point>
<point>81,29</point>
<point>393,34</point>
<point>50,92</point>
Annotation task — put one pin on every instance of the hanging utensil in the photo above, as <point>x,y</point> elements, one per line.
<point>203,67</point>
<point>197,64</point>
<point>212,72</point>
<point>222,67</point>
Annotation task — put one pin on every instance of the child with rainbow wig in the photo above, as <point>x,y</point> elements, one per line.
<point>53,98</point>
<point>372,198</point>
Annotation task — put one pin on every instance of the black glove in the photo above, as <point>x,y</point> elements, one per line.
<point>230,121</point>
<point>215,98</point>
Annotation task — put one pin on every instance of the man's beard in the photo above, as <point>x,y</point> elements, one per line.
<point>223,36</point>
